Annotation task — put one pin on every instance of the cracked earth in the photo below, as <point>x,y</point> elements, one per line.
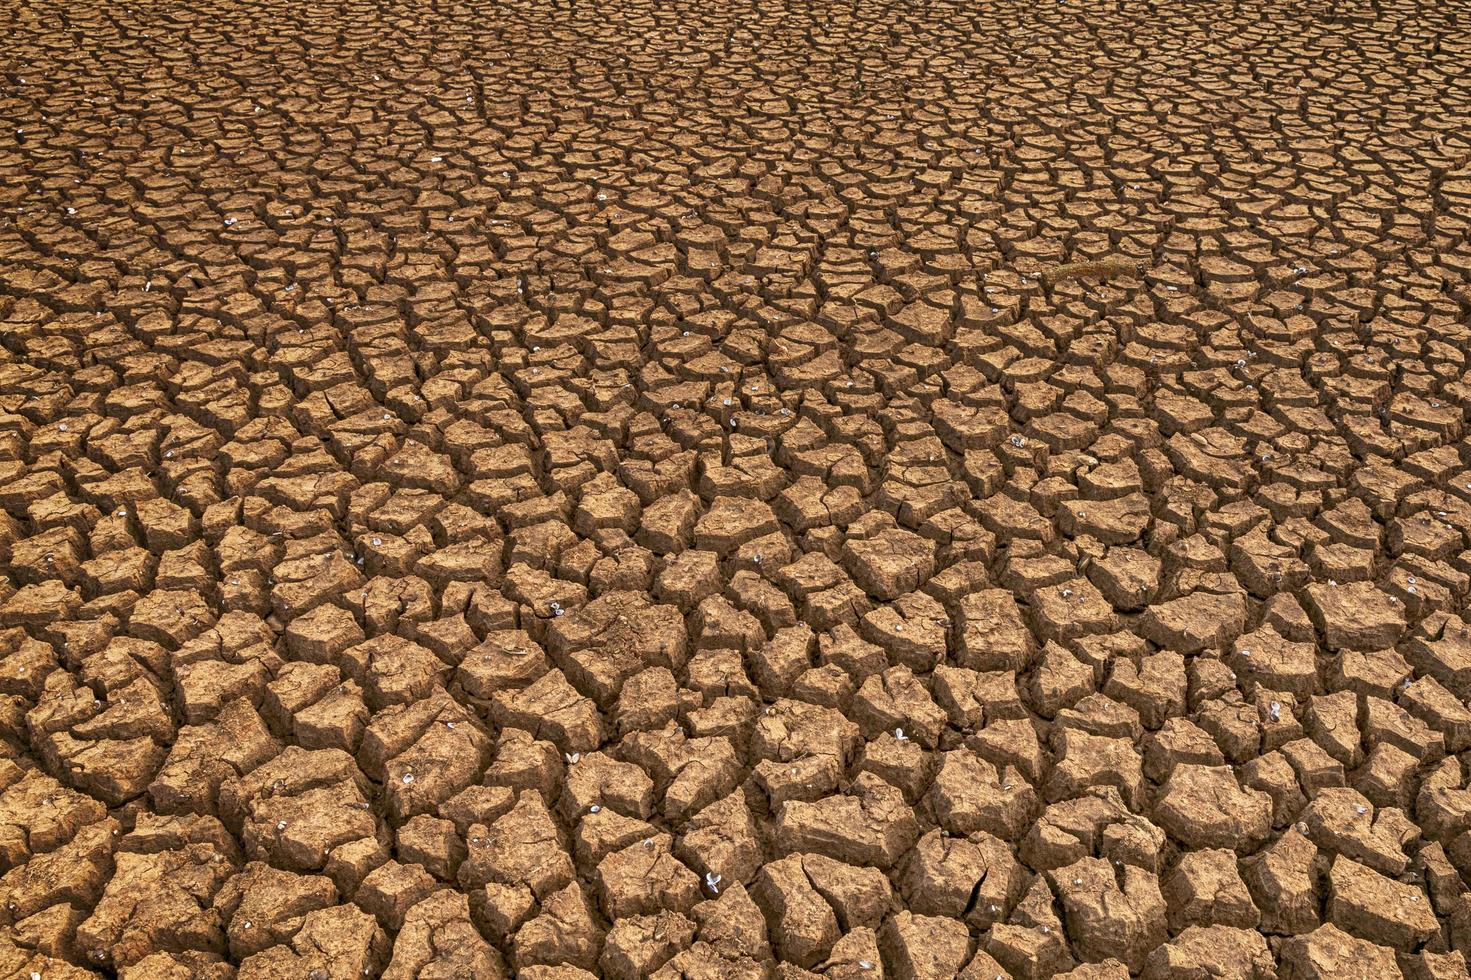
<point>735,490</point>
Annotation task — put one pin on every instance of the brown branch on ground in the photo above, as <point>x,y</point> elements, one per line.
<point>1097,269</point>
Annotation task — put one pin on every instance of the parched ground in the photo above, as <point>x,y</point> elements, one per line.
<point>735,490</point>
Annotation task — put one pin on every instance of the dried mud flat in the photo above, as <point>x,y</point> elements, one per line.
<point>735,490</point>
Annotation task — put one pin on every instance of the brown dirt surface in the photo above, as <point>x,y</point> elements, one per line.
<point>745,490</point>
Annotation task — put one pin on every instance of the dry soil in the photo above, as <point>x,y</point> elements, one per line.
<point>735,490</point>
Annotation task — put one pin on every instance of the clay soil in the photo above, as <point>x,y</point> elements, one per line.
<point>735,490</point>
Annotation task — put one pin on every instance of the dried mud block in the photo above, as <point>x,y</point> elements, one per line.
<point>1329,952</point>
<point>871,824</point>
<point>1441,649</point>
<point>802,925</point>
<point>205,757</point>
<point>38,814</point>
<point>523,849</point>
<point>1206,889</point>
<point>690,772</point>
<point>391,889</point>
<point>1355,616</point>
<point>732,925</point>
<point>1085,760</point>
<point>643,878</point>
<point>970,794</point>
<point>860,897</point>
<point>731,522</point>
<point>639,945</point>
<point>1204,806</point>
<point>722,839</point>
<point>262,907</point>
<point>1122,916</point>
<point>188,965</point>
<point>974,879</point>
<point>552,707</point>
<point>294,810</point>
<point>433,843</point>
<point>923,947</point>
<point>613,637</point>
<point>438,937</point>
<point>523,762</point>
<point>555,973</point>
<point>392,670</point>
<point>40,604</point>
<point>336,943</point>
<point>597,780</point>
<point>1365,903</point>
<point>993,635</point>
<point>305,583</point>
<point>898,701</point>
<point>75,873</point>
<point>1198,952</point>
<point>565,932</point>
<point>1341,821</point>
<point>158,901</point>
<point>1108,969</point>
<point>504,660</point>
<point>1191,624</point>
<point>890,563</point>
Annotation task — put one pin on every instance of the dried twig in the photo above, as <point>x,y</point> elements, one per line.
<point>1098,269</point>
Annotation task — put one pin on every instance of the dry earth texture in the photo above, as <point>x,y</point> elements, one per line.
<point>724,490</point>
